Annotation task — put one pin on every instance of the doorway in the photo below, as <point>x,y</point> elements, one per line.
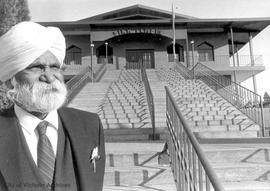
<point>137,57</point>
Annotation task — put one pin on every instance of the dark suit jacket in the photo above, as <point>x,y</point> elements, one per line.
<point>84,131</point>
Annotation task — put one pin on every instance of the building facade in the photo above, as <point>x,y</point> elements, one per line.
<point>138,34</point>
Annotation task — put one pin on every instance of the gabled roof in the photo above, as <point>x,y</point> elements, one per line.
<point>135,12</point>
<point>145,16</point>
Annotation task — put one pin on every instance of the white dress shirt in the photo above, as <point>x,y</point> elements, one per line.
<point>29,123</point>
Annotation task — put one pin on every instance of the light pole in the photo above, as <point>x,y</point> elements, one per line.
<point>106,54</point>
<point>192,54</point>
<point>92,73</point>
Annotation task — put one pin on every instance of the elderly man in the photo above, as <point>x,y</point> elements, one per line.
<point>42,146</point>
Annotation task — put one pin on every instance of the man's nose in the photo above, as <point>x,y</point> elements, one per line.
<point>47,76</point>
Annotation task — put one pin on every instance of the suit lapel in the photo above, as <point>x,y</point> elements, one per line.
<point>81,143</point>
<point>78,133</point>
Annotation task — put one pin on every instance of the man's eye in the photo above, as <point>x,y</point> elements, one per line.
<point>36,68</point>
<point>55,67</point>
<point>41,68</point>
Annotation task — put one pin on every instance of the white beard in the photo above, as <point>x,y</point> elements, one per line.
<point>39,96</point>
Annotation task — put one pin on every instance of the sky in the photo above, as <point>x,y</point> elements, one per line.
<point>71,10</point>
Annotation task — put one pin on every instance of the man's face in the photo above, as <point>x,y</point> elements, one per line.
<point>40,87</point>
<point>45,69</point>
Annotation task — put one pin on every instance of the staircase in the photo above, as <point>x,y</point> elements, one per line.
<point>241,166</point>
<point>124,111</point>
<point>90,96</point>
<point>133,166</point>
<point>209,115</point>
<point>239,158</point>
<point>157,87</point>
<point>133,161</point>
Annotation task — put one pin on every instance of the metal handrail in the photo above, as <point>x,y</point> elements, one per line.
<point>76,82</point>
<point>189,164</point>
<point>242,98</point>
<point>184,71</point>
<point>99,73</point>
<point>150,99</point>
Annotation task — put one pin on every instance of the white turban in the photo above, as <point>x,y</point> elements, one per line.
<point>24,43</point>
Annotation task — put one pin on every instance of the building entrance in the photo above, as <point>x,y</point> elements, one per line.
<point>137,57</point>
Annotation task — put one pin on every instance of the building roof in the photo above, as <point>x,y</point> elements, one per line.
<point>135,12</point>
<point>143,15</point>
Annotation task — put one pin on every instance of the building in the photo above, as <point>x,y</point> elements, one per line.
<point>135,35</point>
<point>139,34</point>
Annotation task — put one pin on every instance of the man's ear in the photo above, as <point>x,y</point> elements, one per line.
<point>10,84</point>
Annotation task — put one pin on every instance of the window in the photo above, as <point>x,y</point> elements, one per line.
<point>73,56</point>
<point>179,51</point>
<point>101,54</point>
<point>206,52</point>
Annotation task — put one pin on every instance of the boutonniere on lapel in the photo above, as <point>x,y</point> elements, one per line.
<point>93,157</point>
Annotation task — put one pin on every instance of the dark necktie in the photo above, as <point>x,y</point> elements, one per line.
<point>45,154</point>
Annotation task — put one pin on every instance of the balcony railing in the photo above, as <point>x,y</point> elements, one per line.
<point>226,60</point>
<point>245,60</point>
<point>189,164</point>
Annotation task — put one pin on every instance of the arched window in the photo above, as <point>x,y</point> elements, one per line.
<point>73,56</point>
<point>179,51</point>
<point>101,54</point>
<point>206,52</point>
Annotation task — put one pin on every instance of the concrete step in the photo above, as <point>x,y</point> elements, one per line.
<point>224,128</point>
<point>123,110</point>
<point>133,165</point>
<point>259,185</point>
<point>233,172</point>
<point>226,134</point>
<point>133,121</point>
<point>138,175</point>
<point>242,122</point>
<point>214,117</point>
<point>190,113</point>
<point>131,159</point>
<point>121,103</point>
<point>125,134</point>
<point>192,105</point>
<point>123,107</point>
<point>245,153</point>
<point>145,187</point>
<point>205,109</point>
<point>117,115</point>
<point>127,125</point>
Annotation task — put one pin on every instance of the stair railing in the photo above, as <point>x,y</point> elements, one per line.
<point>150,100</point>
<point>242,98</point>
<point>184,71</point>
<point>76,82</point>
<point>189,164</point>
<point>100,72</point>
<point>247,101</point>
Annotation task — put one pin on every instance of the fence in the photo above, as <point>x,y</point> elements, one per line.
<point>218,60</point>
<point>242,98</point>
<point>189,165</point>
<point>150,99</point>
<point>77,82</point>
